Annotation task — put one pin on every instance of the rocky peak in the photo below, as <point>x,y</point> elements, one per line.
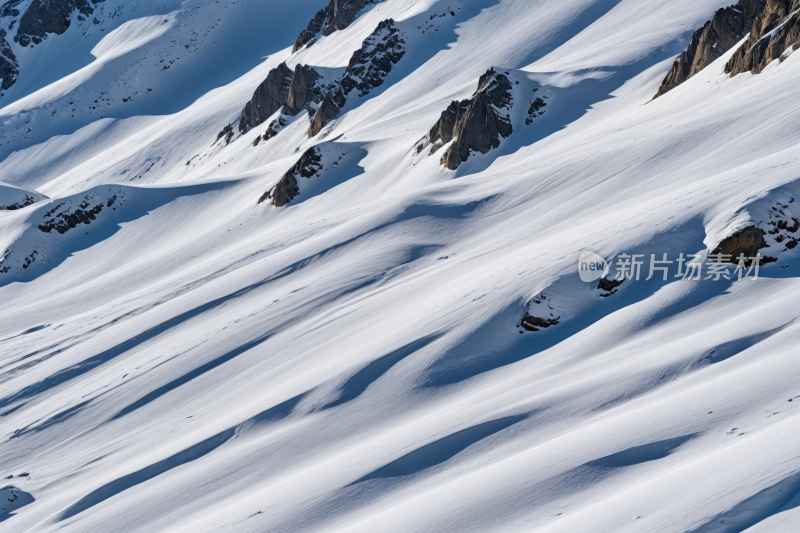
<point>476,124</point>
<point>268,97</point>
<point>336,16</point>
<point>765,44</point>
<point>720,34</point>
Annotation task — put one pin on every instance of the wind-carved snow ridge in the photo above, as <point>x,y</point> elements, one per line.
<point>383,343</point>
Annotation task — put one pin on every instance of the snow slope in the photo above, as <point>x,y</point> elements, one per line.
<point>193,360</point>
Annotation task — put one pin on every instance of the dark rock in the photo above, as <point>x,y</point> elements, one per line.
<point>534,323</point>
<point>535,110</point>
<point>302,90</point>
<point>287,189</point>
<point>481,125</point>
<point>747,241</point>
<point>274,127</point>
<point>760,49</point>
<point>66,220</point>
<point>308,35</point>
<point>327,111</point>
<point>226,133</point>
<point>371,63</point>
<point>28,200</point>
<point>336,16</point>
<point>49,16</point>
<point>367,68</point>
<point>9,67</point>
<point>270,96</point>
<point>720,34</point>
<point>305,88</point>
<point>609,285</point>
<point>445,129</point>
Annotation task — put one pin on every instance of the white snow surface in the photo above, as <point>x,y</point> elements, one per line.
<point>191,360</point>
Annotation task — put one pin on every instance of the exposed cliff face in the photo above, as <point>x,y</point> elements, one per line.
<point>294,91</point>
<point>302,90</point>
<point>309,34</point>
<point>336,16</point>
<point>49,16</point>
<point>720,34</point>
<point>327,111</point>
<point>309,164</point>
<point>268,97</point>
<point>476,124</point>
<point>9,67</point>
<point>773,32</point>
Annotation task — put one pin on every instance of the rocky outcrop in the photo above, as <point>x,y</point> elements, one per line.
<point>274,127</point>
<point>268,97</point>
<point>368,67</point>
<point>9,67</point>
<point>445,128</point>
<point>305,88</point>
<point>28,200</point>
<point>49,16</point>
<point>747,241</point>
<point>326,112</point>
<point>371,63</point>
<point>609,286</point>
<point>64,220</point>
<point>773,32</point>
<point>720,34</point>
<point>536,109</point>
<point>336,16</point>
<point>302,90</point>
<point>292,91</point>
<point>226,134</point>
<point>534,323</point>
<point>287,189</point>
<point>476,124</point>
<point>308,35</point>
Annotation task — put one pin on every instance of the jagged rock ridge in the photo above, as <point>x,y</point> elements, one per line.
<point>305,88</point>
<point>268,97</point>
<point>309,164</point>
<point>476,124</point>
<point>336,16</point>
<point>284,89</point>
<point>776,29</point>
<point>720,34</point>
<point>366,70</point>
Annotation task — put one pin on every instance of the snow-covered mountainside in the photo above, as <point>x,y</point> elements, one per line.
<point>355,265</point>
